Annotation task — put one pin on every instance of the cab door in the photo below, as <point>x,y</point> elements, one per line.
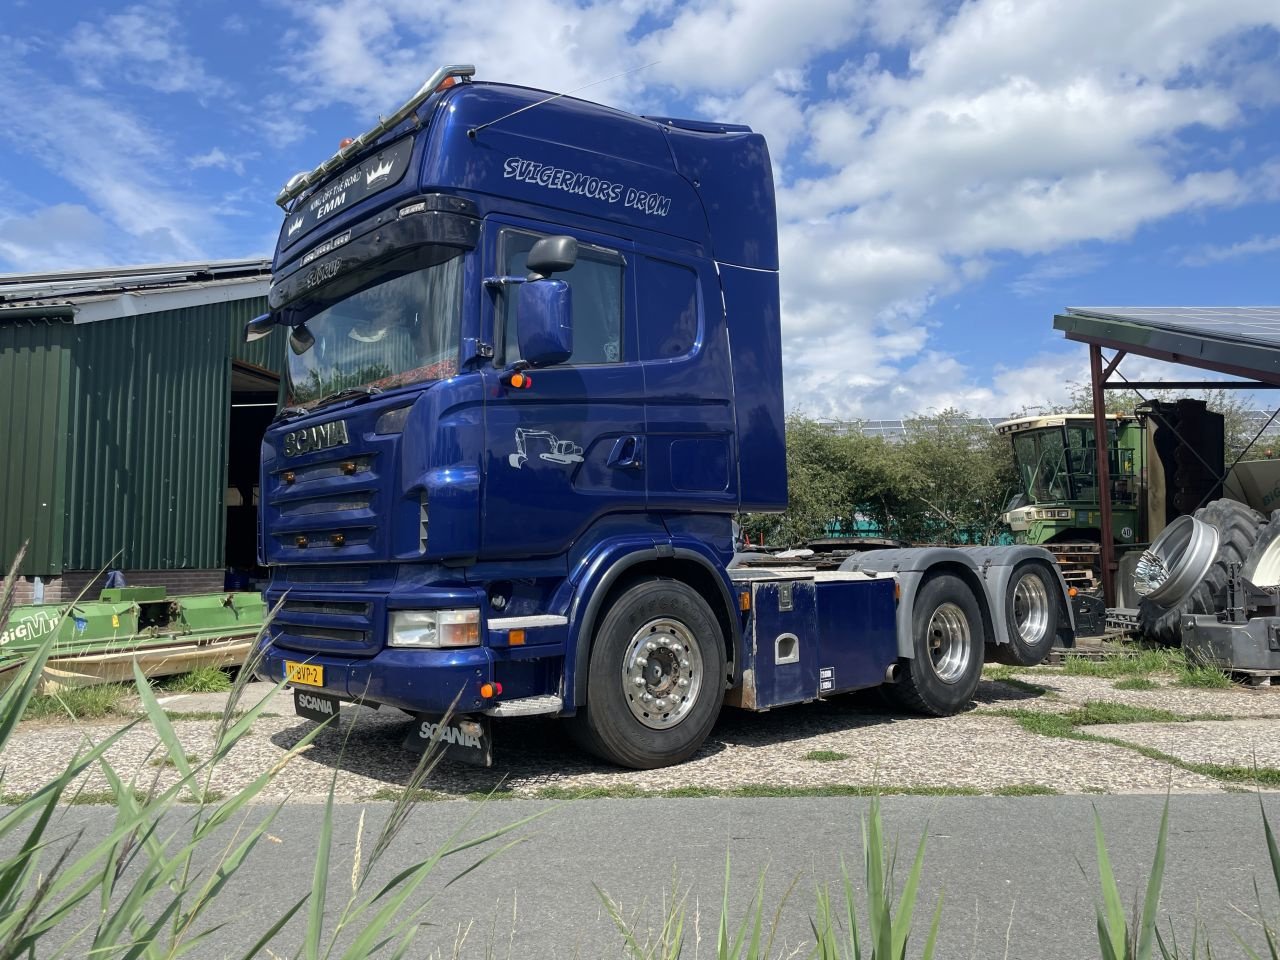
<point>569,449</point>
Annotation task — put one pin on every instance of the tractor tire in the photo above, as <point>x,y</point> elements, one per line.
<point>656,677</point>
<point>1031,611</point>
<point>1238,529</point>
<point>1262,565</point>
<point>949,639</point>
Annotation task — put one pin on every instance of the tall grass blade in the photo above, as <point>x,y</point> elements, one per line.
<point>1151,905</point>
<point>1112,928</point>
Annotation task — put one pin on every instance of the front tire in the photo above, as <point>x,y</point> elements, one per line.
<point>948,638</point>
<point>656,678</point>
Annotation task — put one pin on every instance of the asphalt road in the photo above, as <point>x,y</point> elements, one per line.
<point>993,859</point>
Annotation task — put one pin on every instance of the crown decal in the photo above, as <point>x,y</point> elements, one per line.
<point>295,226</point>
<point>383,169</point>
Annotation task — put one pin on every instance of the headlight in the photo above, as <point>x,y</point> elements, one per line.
<point>434,628</point>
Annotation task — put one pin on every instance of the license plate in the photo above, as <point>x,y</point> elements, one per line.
<point>315,706</point>
<point>465,738</point>
<point>306,674</point>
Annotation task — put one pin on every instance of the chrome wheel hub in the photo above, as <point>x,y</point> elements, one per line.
<point>949,642</point>
<point>1030,609</point>
<point>661,673</point>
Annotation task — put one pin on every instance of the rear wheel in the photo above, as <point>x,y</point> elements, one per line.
<point>656,678</point>
<point>948,638</point>
<point>1031,612</point>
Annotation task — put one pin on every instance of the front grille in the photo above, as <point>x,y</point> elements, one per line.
<point>309,508</point>
<point>331,608</point>
<point>333,624</point>
<point>288,476</point>
<point>328,633</point>
<point>320,574</point>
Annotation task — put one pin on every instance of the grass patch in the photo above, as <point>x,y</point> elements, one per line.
<point>206,679</point>
<point>825,756</point>
<point>1194,675</point>
<point>1136,683</point>
<point>211,714</point>
<point>1000,672</point>
<point>167,761</point>
<point>1066,726</point>
<point>1125,663</point>
<point>1003,673</point>
<point>1025,790</point>
<point>81,703</point>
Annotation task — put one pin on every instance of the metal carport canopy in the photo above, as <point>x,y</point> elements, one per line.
<point>1240,341</point>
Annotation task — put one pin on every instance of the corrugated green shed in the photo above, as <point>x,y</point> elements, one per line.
<point>116,435</point>
<point>35,365</point>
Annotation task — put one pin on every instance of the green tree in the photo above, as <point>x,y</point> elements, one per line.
<point>947,483</point>
<point>961,475</point>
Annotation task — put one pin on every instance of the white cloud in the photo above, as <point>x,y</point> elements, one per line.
<point>218,159</point>
<point>1252,247</point>
<point>53,237</point>
<point>1044,275</point>
<point>142,46</point>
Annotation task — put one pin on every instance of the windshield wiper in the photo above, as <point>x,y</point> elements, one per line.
<point>288,412</point>
<point>349,394</point>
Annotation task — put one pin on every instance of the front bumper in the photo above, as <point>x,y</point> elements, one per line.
<point>414,680</point>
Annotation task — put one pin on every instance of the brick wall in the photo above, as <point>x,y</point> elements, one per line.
<point>67,587</point>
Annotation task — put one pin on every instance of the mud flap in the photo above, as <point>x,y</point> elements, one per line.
<point>466,738</point>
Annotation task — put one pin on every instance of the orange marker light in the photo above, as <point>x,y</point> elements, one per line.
<point>744,601</point>
<point>489,690</point>
<point>346,142</point>
<point>517,380</point>
<point>516,638</point>
<point>1072,591</point>
<point>446,83</point>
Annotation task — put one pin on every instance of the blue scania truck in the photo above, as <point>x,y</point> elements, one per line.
<point>534,371</point>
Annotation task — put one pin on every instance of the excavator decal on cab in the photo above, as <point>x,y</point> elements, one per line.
<point>556,450</point>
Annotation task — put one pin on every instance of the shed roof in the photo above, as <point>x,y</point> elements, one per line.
<point>1240,341</point>
<point>87,296</point>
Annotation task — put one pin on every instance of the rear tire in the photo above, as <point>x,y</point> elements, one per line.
<point>1031,611</point>
<point>1238,529</point>
<point>656,677</point>
<point>948,638</point>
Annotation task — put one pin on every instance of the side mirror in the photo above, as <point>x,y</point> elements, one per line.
<point>300,339</point>
<point>551,255</point>
<point>259,327</point>
<point>544,322</point>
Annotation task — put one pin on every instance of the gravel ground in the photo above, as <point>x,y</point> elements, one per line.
<point>975,750</point>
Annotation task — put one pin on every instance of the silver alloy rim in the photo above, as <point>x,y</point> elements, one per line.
<point>1030,608</point>
<point>948,637</point>
<point>661,673</point>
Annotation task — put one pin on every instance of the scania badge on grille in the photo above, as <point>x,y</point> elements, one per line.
<point>320,437</point>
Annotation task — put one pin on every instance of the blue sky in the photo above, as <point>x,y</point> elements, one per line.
<point>949,175</point>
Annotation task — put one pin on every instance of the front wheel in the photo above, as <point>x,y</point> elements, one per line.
<point>656,677</point>
<point>948,639</point>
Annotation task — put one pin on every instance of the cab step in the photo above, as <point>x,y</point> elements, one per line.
<point>527,706</point>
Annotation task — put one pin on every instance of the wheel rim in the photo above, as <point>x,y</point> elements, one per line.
<point>1266,571</point>
<point>1030,608</point>
<point>949,646</point>
<point>662,673</point>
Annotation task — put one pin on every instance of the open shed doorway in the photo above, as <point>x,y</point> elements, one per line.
<point>254,397</point>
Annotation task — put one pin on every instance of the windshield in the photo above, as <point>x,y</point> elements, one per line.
<point>1058,464</point>
<point>403,328</point>
<point>1040,457</point>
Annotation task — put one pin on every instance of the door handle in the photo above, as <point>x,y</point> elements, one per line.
<point>628,453</point>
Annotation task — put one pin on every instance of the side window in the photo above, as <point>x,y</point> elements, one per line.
<point>668,318</point>
<point>596,281</point>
